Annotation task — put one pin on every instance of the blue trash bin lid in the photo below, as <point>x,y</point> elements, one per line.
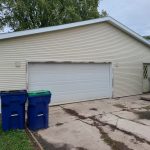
<point>17,97</point>
<point>12,92</point>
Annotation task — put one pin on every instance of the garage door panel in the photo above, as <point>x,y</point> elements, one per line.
<point>73,85</point>
<point>63,81</point>
<point>71,82</point>
<point>73,96</point>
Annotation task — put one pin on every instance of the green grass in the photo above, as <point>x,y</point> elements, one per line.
<point>14,140</point>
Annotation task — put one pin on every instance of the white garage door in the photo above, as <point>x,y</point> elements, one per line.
<point>71,82</point>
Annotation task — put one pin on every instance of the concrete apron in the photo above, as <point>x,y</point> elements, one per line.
<point>146,97</point>
<point>97,125</point>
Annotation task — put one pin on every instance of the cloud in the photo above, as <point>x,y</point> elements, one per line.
<point>134,14</point>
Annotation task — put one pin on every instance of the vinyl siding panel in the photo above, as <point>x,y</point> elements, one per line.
<point>98,43</point>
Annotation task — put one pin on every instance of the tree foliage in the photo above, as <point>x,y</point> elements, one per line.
<point>29,14</point>
<point>147,37</point>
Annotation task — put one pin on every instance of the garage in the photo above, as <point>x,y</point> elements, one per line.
<point>71,82</point>
<point>76,61</point>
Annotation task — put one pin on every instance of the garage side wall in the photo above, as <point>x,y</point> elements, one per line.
<point>98,43</point>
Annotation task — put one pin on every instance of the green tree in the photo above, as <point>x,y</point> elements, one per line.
<point>30,14</point>
<point>147,37</point>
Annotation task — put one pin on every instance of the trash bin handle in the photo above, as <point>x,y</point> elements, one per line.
<point>14,115</point>
<point>39,115</point>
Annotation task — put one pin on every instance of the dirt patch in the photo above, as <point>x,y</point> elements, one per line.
<point>143,114</point>
<point>120,106</point>
<point>59,124</point>
<point>73,113</point>
<point>54,146</point>
<point>94,109</point>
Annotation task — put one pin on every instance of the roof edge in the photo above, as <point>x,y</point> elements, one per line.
<point>76,24</point>
<point>128,31</point>
<point>51,28</point>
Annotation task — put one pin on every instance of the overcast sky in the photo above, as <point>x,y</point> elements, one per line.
<point>133,13</point>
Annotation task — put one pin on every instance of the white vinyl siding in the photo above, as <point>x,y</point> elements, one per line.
<point>99,42</point>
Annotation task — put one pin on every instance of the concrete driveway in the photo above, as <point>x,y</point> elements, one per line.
<point>108,124</point>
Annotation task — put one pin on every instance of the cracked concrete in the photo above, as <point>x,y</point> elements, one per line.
<point>99,124</point>
<point>146,97</point>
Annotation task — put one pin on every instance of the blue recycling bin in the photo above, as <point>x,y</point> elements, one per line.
<point>38,111</point>
<point>13,109</point>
